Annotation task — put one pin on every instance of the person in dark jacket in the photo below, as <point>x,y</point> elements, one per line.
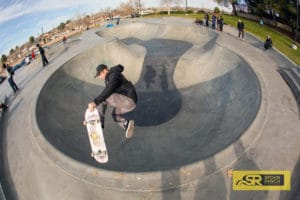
<point>213,21</point>
<point>3,107</point>
<point>221,23</point>
<point>206,20</point>
<point>42,52</point>
<point>11,73</point>
<point>268,43</point>
<point>118,93</point>
<point>241,27</point>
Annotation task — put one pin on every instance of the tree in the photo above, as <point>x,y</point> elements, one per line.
<point>286,9</point>
<point>219,1</point>
<point>11,51</point>
<point>125,9</point>
<point>217,10</point>
<point>31,39</point>
<point>3,58</point>
<point>168,2</point>
<point>136,5</point>
<point>233,3</point>
<point>61,26</point>
<point>289,14</point>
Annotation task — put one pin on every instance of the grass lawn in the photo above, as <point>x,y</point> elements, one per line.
<point>280,41</point>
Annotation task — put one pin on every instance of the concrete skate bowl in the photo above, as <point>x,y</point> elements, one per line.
<point>58,49</point>
<point>195,98</point>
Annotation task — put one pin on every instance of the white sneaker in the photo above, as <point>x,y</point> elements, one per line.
<point>129,131</point>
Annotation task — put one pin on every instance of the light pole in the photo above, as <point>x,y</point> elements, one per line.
<point>297,21</point>
<point>185,7</point>
<point>294,45</point>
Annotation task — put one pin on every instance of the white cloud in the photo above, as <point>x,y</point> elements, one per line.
<point>21,8</point>
<point>48,24</point>
<point>13,11</point>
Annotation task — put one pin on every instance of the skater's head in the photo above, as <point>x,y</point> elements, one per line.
<point>37,45</point>
<point>101,71</point>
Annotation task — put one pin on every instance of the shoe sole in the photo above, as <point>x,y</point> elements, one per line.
<point>130,129</point>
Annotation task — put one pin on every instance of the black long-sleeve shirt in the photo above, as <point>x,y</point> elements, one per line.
<point>115,82</point>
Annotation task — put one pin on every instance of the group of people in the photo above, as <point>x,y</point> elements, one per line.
<point>10,70</point>
<point>217,22</point>
<point>241,26</point>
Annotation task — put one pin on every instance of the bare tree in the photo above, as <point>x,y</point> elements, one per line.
<point>125,9</point>
<point>168,3</point>
<point>136,5</point>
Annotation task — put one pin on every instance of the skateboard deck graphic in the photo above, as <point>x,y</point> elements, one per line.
<point>95,134</point>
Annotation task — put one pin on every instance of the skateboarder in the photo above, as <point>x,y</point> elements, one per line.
<point>118,93</point>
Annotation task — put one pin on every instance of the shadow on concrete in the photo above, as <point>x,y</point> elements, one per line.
<point>5,173</point>
<point>172,124</point>
<point>156,86</point>
<point>214,188</point>
<point>246,163</point>
<point>169,178</point>
<point>294,193</point>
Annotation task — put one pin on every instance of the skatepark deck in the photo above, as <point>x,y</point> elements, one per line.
<point>206,102</point>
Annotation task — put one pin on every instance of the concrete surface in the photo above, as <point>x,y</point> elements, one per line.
<point>214,102</point>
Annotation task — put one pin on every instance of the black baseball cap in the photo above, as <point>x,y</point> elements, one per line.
<point>99,69</point>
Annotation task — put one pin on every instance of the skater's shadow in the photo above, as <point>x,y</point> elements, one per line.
<point>158,98</point>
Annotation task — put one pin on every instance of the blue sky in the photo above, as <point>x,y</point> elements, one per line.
<point>20,19</point>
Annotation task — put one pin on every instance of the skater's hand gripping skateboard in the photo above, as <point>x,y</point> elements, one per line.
<point>95,134</point>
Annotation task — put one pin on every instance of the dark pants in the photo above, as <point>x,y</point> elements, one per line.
<point>12,84</point>
<point>121,104</point>
<point>44,60</point>
<point>221,27</point>
<point>3,107</point>
<point>267,46</point>
<point>241,32</point>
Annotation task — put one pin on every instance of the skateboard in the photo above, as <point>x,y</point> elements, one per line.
<point>95,135</point>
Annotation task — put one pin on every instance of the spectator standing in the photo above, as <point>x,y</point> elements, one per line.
<point>268,43</point>
<point>32,55</point>
<point>206,20</point>
<point>221,23</point>
<point>213,21</point>
<point>11,81</point>
<point>241,27</point>
<point>42,52</point>
<point>261,22</point>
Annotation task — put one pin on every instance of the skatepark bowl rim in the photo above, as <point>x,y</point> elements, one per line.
<point>228,91</point>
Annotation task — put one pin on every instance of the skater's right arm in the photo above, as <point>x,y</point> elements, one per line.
<point>113,83</point>
<point>91,106</point>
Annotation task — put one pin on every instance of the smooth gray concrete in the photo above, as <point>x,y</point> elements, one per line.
<point>231,109</point>
<point>171,123</point>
